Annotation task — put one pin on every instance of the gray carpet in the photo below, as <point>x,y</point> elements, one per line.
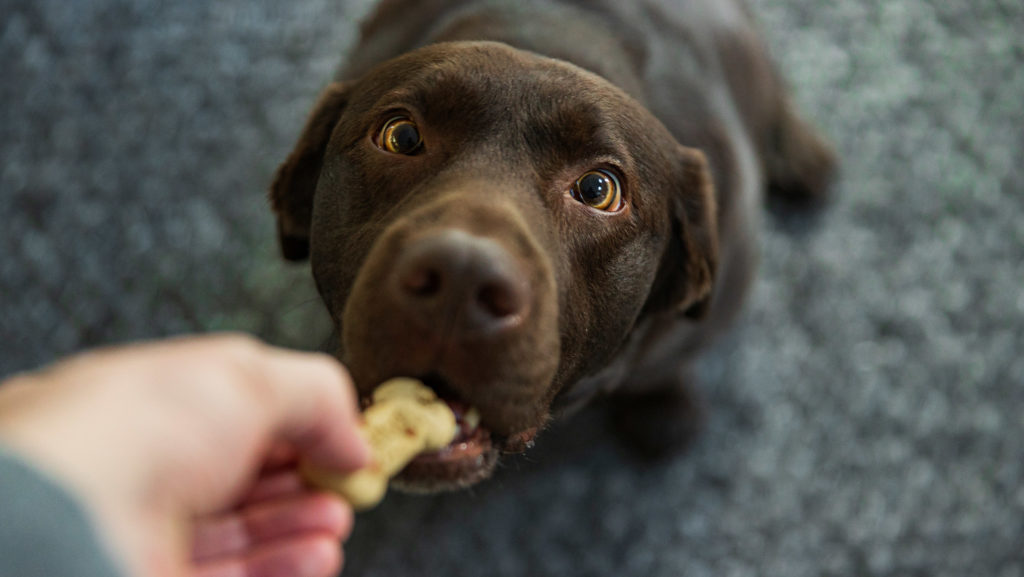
<point>867,415</point>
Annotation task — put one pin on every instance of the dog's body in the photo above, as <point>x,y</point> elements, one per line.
<point>481,257</point>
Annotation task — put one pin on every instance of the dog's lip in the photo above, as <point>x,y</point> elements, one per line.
<point>474,449</point>
<point>473,440</point>
<point>465,448</point>
<point>468,460</point>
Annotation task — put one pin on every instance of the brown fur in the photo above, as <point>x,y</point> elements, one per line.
<point>515,100</point>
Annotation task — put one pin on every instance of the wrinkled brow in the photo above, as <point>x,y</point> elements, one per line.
<point>570,130</point>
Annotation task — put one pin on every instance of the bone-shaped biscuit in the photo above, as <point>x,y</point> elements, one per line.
<point>405,420</point>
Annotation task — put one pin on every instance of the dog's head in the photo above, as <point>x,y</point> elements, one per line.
<point>495,223</point>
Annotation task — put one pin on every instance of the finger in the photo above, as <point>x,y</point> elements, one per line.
<point>244,530</point>
<point>308,556</point>
<point>274,485</point>
<point>312,404</point>
<point>309,399</point>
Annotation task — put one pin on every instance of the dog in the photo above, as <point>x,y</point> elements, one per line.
<point>530,204</point>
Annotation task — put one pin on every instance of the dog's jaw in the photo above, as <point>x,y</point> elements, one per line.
<point>432,476</point>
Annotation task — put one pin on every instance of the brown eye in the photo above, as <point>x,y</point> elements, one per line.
<point>599,189</point>
<point>400,136</point>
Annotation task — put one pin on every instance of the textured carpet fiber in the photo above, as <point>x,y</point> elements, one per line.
<point>867,415</point>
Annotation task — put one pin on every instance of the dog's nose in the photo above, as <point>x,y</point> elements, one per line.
<point>456,281</point>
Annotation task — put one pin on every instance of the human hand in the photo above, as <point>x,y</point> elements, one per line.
<point>184,452</point>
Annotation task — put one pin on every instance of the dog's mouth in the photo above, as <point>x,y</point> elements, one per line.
<point>471,457</point>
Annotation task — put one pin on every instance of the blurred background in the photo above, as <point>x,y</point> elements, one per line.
<point>866,415</point>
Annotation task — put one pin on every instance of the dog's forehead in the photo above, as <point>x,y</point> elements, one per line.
<point>452,62</point>
<point>491,81</point>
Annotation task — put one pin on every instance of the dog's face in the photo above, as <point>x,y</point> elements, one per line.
<point>494,223</point>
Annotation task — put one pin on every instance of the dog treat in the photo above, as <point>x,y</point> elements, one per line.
<point>405,419</point>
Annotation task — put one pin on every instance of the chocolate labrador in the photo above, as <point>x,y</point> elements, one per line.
<point>528,204</point>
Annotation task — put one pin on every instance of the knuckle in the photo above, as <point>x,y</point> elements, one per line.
<point>329,363</point>
<point>240,344</point>
<point>336,373</point>
<point>238,360</point>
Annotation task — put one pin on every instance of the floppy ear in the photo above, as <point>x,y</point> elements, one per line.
<point>688,270</point>
<point>291,194</point>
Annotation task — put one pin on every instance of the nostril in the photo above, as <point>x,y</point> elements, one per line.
<point>457,282</point>
<point>499,299</point>
<point>422,282</point>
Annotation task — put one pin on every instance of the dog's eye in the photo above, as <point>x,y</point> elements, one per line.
<point>599,189</point>
<point>400,136</point>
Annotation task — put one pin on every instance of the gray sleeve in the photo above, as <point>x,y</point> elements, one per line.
<point>44,532</point>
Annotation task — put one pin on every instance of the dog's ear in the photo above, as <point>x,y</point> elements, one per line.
<point>688,270</point>
<point>291,194</point>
